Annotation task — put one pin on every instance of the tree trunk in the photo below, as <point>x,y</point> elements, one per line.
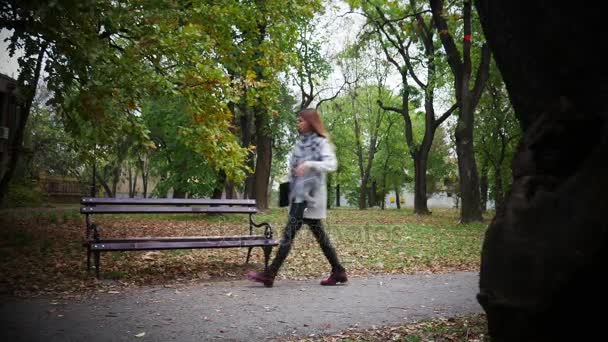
<point>144,176</point>
<point>246,125</point>
<point>338,195</point>
<point>470,210</point>
<point>219,185</point>
<point>498,190</point>
<point>179,193</point>
<point>372,195</point>
<point>363,194</point>
<point>483,189</point>
<point>229,189</point>
<point>16,145</point>
<point>420,199</point>
<point>329,177</point>
<point>263,161</point>
<point>467,101</point>
<point>546,248</point>
<point>132,182</point>
<point>106,187</point>
<point>115,179</point>
<point>397,198</point>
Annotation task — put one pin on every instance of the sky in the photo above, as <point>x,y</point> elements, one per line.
<point>8,65</point>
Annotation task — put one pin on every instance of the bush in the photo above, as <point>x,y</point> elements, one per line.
<point>24,194</point>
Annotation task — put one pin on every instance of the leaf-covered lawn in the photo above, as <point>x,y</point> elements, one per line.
<point>41,250</point>
<point>471,328</point>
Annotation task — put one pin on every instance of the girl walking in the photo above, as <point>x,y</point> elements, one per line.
<point>312,157</point>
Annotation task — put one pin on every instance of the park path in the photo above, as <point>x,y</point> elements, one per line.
<point>241,310</point>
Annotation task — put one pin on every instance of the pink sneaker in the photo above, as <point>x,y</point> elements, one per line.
<point>263,278</point>
<point>335,278</point>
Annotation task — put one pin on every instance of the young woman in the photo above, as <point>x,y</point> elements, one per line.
<point>312,157</point>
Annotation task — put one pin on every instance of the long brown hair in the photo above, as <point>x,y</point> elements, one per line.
<point>311,116</point>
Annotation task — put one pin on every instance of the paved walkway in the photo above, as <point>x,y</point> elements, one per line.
<point>241,310</point>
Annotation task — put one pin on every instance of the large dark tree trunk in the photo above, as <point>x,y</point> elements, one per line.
<point>544,252</point>
<point>26,99</point>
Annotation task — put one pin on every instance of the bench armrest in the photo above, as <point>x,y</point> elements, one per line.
<point>268,232</point>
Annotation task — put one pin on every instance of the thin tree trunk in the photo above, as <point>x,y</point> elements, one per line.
<point>246,125</point>
<point>329,177</point>
<point>263,161</point>
<point>483,189</point>
<point>397,198</point>
<point>499,196</point>
<point>144,176</point>
<point>338,195</point>
<point>105,186</point>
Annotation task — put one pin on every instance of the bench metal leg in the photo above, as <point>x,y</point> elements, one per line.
<point>248,255</point>
<point>97,261</point>
<point>267,251</point>
<point>88,258</point>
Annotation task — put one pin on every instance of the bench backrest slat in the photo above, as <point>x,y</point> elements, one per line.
<point>127,209</point>
<point>165,201</point>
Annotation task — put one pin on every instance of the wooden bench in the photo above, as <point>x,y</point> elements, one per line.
<point>95,244</point>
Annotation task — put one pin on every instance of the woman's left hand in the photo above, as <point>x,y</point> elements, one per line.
<point>301,169</point>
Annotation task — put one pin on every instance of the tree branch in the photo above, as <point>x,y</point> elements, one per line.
<point>444,116</point>
<point>483,72</point>
<point>388,108</point>
<point>454,58</point>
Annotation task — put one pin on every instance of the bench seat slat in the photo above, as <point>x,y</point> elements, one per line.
<point>164,201</point>
<point>164,210</point>
<point>110,245</point>
<point>184,238</point>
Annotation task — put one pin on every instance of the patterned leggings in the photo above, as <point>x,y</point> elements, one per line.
<point>294,224</point>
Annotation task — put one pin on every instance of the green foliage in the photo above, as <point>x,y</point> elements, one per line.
<point>173,160</point>
<point>52,150</point>
<point>104,58</point>
<point>497,135</point>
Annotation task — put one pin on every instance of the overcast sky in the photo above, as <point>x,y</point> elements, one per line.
<point>8,66</point>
